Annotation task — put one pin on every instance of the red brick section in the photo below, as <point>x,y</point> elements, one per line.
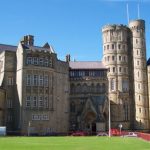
<point>145,136</point>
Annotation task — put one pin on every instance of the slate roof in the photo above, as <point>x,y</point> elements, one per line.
<point>38,48</point>
<point>86,65</point>
<point>148,62</point>
<point>4,47</point>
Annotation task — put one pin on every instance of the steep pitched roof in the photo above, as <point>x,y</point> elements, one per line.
<point>148,62</point>
<point>38,48</point>
<point>4,47</point>
<point>86,65</point>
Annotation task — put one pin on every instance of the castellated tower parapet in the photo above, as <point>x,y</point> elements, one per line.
<point>140,84</point>
<point>115,58</point>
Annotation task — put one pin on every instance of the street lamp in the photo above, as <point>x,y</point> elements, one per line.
<point>109,115</point>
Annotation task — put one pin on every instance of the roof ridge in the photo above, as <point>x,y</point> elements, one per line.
<point>8,45</point>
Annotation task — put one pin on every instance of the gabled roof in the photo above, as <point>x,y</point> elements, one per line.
<point>148,62</point>
<point>86,65</point>
<point>4,47</point>
<point>38,48</point>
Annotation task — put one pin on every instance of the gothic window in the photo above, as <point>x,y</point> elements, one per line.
<point>139,97</point>
<point>98,88</point>
<point>92,88</point>
<point>85,88</point>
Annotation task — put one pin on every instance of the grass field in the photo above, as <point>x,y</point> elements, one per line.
<point>72,143</point>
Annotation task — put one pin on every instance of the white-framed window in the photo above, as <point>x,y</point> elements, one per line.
<point>28,101</point>
<point>35,60</point>
<point>46,102</point>
<point>40,102</point>
<point>35,80</point>
<point>34,101</point>
<point>45,117</point>
<point>41,61</point>
<point>29,60</point>
<point>46,62</point>
<point>41,80</point>
<point>112,85</point>
<point>10,81</point>
<point>46,80</point>
<point>36,117</point>
<point>9,103</point>
<point>28,80</point>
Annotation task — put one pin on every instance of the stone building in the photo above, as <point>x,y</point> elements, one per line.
<point>37,88</point>
<point>40,94</point>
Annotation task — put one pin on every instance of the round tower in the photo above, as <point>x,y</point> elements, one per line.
<point>137,28</point>
<point>148,73</point>
<point>115,58</point>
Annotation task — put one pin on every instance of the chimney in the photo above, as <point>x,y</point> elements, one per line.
<point>28,40</point>
<point>68,58</point>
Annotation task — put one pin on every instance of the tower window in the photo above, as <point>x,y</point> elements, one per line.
<point>112,84</point>
<point>120,58</point>
<point>108,58</point>
<point>113,69</point>
<point>112,46</point>
<point>113,58</point>
<point>119,69</point>
<point>139,110</point>
<point>108,47</point>
<point>119,46</point>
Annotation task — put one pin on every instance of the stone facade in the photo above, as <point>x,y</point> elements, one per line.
<point>41,95</point>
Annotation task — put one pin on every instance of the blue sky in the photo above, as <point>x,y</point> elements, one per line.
<point>71,26</point>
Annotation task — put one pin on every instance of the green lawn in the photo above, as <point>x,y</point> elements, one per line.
<point>72,143</point>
